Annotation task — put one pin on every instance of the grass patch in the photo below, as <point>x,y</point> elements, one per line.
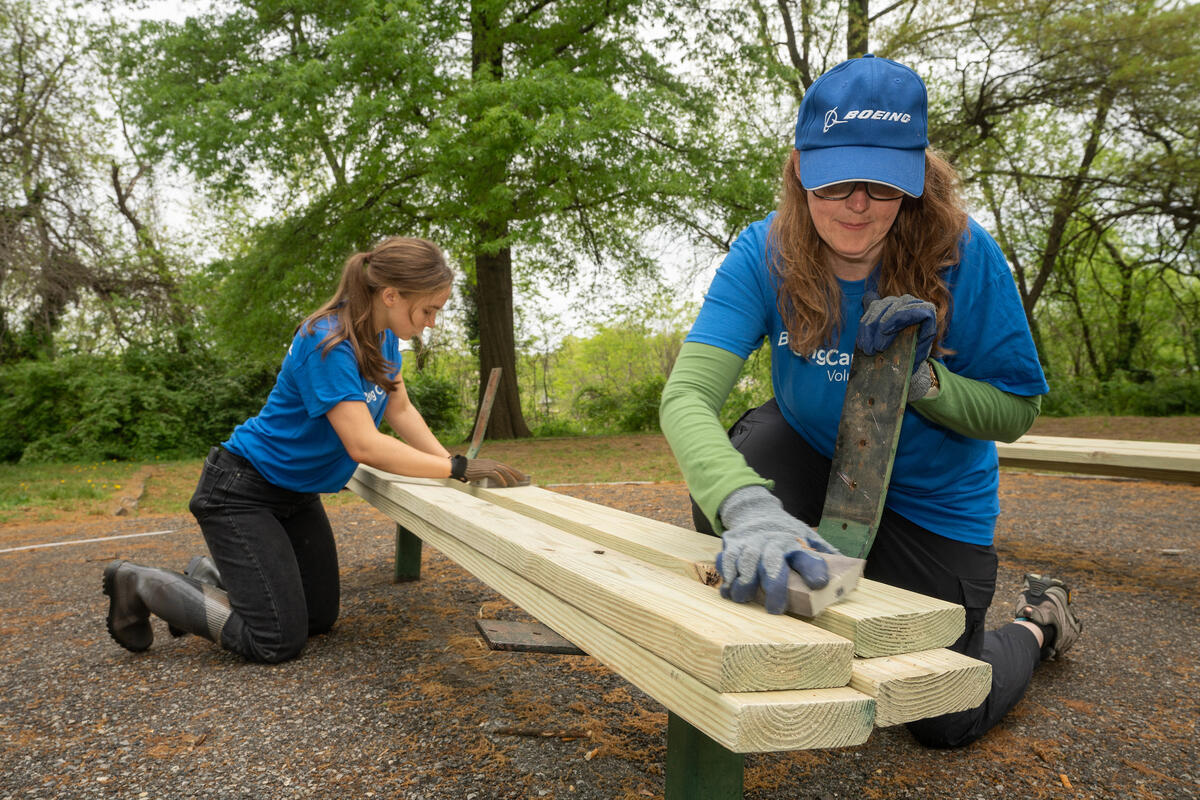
<point>37,492</point>
<point>588,459</point>
<point>46,492</point>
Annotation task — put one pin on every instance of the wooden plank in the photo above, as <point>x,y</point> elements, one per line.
<point>1117,445</point>
<point>914,686</point>
<point>687,552</point>
<point>1165,461</point>
<point>742,722</point>
<point>881,620</point>
<point>727,646</point>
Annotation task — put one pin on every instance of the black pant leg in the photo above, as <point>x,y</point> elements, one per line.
<point>240,514</point>
<point>316,555</point>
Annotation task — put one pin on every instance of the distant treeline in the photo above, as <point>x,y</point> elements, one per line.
<point>146,405</point>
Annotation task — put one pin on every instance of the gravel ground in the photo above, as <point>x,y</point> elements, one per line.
<point>402,700</point>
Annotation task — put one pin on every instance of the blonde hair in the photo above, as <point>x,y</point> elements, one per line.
<point>411,266</point>
<point>921,243</point>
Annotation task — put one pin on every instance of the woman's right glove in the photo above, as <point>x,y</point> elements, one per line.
<point>761,542</point>
<point>884,318</point>
<point>475,469</point>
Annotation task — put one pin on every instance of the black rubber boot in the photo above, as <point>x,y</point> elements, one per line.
<point>135,592</point>
<point>128,617</point>
<point>203,569</point>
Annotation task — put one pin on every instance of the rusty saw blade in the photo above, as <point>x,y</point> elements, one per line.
<point>485,412</point>
<point>866,445</point>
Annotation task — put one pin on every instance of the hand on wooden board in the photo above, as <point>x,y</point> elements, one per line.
<point>762,543</point>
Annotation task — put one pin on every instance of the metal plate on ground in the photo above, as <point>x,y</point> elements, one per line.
<point>524,637</point>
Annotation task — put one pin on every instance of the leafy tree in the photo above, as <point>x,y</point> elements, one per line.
<point>68,202</point>
<point>545,136</point>
<point>48,235</point>
<point>1074,124</point>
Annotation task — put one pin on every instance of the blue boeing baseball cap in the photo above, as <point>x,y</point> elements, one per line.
<point>864,120</point>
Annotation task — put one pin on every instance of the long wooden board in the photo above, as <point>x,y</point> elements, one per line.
<point>742,722</point>
<point>727,646</point>
<point>914,686</point>
<point>1164,461</point>
<point>881,620</point>
<point>906,687</point>
<point>687,552</point>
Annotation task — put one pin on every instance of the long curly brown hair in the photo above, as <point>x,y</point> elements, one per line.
<point>922,242</point>
<point>411,266</point>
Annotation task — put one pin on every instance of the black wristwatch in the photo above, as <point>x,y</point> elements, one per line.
<point>458,467</point>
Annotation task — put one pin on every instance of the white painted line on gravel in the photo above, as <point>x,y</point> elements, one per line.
<point>86,541</point>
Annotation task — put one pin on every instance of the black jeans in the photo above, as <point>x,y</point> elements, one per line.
<point>907,556</point>
<point>276,554</point>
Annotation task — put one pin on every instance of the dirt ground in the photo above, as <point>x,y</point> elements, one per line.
<point>403,700</point>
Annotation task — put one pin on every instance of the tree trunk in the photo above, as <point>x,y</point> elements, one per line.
<point>1067,202</point>
<point>493,271</point>
<point>857,23</point>
<point>494,302</point>
<point>1129,330</point>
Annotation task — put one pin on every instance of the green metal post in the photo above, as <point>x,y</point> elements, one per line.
<point>697,767</point>
<point>408,555</point>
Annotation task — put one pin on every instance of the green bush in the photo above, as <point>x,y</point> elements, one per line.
<point>639,405</point>
<point>438,401</point>
<point>627,409</point>
<point>1121,396</point>
<point>597,408</point>
<point>1158,398</point>
<point>33,397</point>
<point>554,426</point>
<point>143,404</point>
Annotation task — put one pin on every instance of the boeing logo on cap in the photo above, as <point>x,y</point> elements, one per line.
<point>831,117</point>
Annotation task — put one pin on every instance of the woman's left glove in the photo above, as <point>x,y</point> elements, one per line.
<point>885,317</point>
<point>475,469</point>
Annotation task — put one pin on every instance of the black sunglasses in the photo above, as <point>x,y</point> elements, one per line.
<point>875,191</point>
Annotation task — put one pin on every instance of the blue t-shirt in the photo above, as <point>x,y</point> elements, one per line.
<point>941,480</point>
<point>291,442</point>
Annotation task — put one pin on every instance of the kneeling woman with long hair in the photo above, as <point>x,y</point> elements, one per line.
<point>272,580</point>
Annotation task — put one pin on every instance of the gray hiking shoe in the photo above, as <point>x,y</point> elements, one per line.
<point>1047,601</point>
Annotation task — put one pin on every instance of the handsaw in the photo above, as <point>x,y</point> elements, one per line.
<point>869,430</point>
<point>485,412</point>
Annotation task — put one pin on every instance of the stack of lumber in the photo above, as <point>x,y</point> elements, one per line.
<point>1159,461</point>
<point>638,595</point>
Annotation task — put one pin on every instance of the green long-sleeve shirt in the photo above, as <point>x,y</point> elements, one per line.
<point>704,375</point>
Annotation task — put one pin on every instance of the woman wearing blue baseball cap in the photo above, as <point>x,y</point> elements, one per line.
<point>870,238</point>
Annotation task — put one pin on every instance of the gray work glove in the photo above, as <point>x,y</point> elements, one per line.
<point>761,542</point>
<point>884,318</point>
